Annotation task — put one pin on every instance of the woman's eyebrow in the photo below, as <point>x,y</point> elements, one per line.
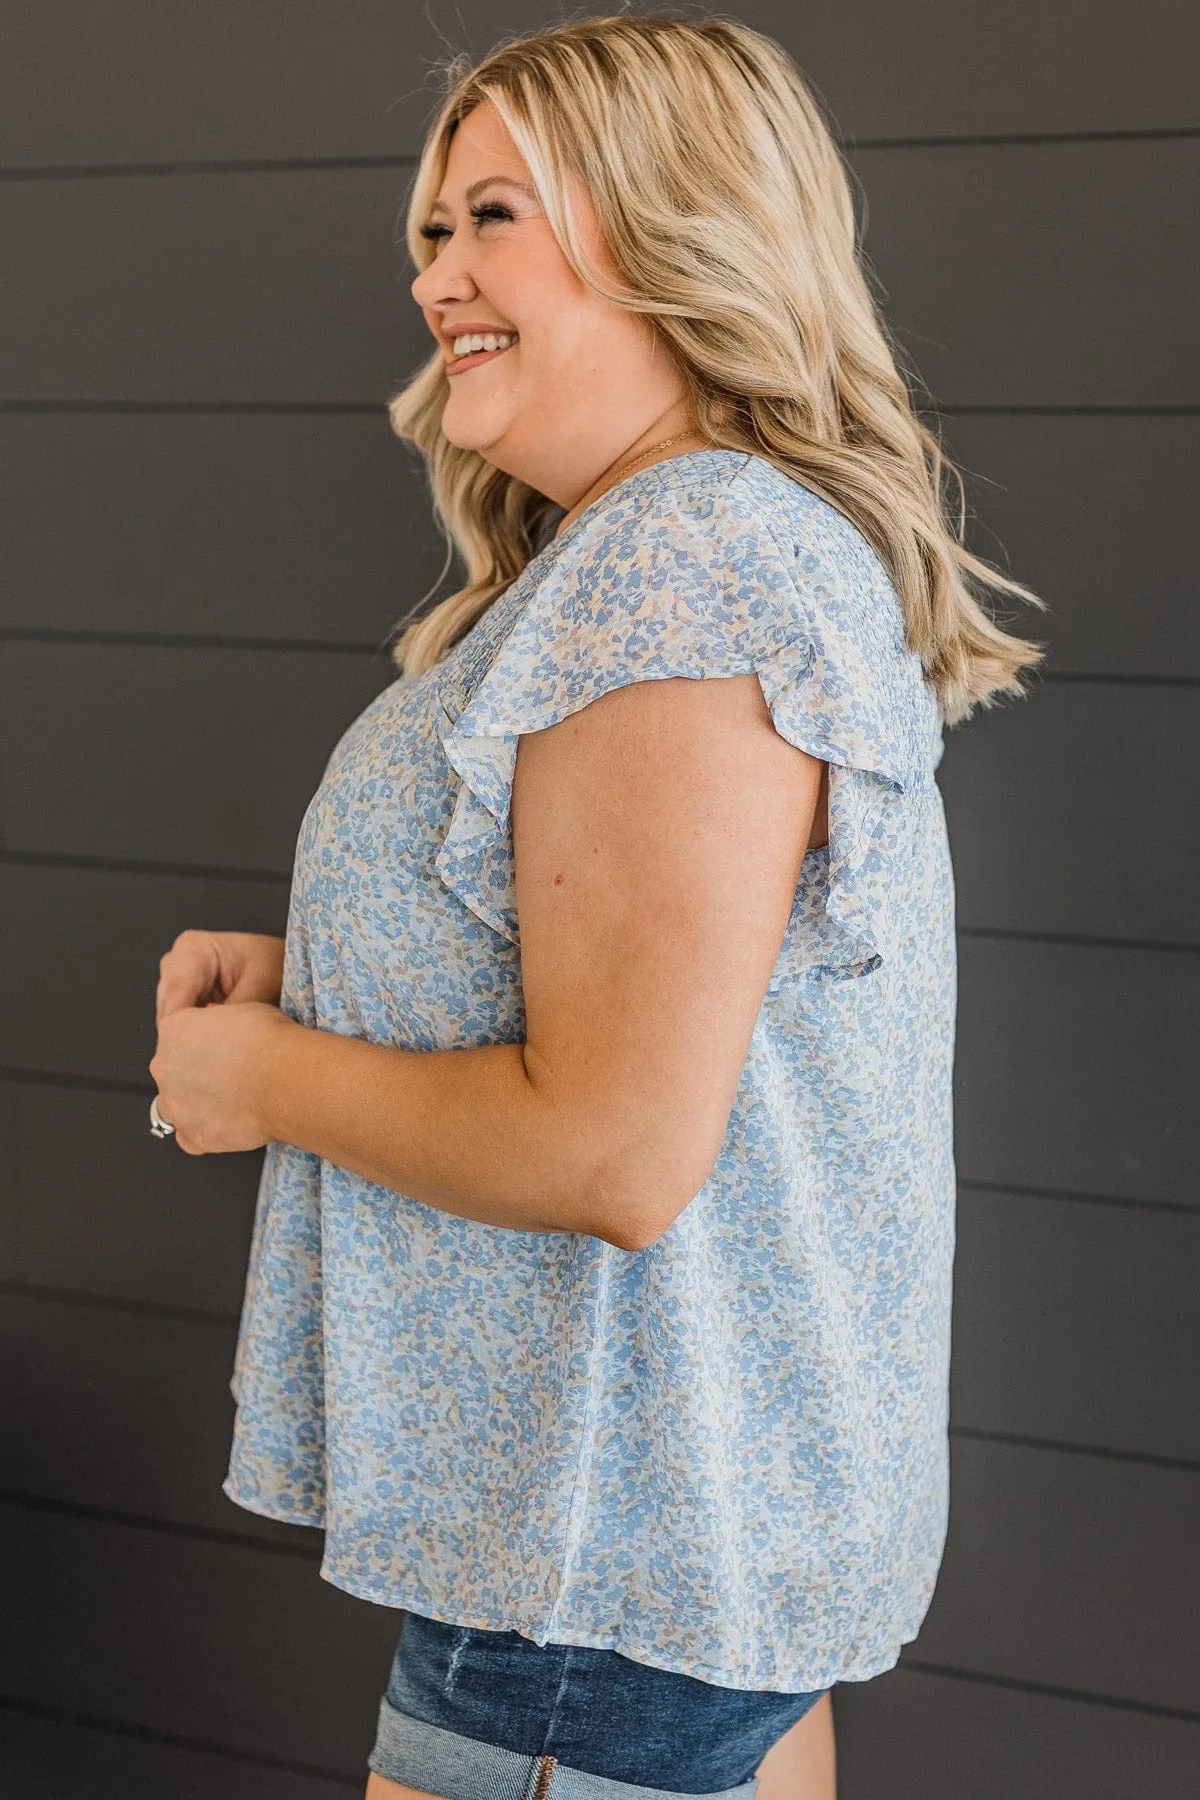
<point>477,187</point>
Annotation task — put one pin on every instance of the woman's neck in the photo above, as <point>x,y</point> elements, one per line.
<point>680,446</point>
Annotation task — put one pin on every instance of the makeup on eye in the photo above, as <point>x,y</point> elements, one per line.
<point>490,209</point>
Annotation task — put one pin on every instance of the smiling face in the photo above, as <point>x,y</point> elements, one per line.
<point>586,381</point>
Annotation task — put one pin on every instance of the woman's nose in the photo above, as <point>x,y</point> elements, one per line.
<point>442,284</point>
<point>446,297</point>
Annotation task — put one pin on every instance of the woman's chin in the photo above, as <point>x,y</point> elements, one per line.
<point>469,432</point>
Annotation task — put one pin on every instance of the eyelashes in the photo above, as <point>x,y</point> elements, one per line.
<point>489,210</point>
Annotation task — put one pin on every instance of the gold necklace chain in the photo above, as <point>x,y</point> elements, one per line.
<point>679,436</point>
<point>661,445</point>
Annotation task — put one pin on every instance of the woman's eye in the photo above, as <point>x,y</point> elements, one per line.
<point>481,214</point>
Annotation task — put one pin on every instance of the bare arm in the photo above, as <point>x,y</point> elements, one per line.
<point>463,1130</point>
<point>658,835</point>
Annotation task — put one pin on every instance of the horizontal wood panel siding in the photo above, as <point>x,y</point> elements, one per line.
<point>1077,1322</point>
<point>357,78</point>
<point>90,1203</point>
<point>1063,274</point>
<point>197,756</point>
<point>1075,1572</point>
<point>47,1754</point>
<point>1075,1067</point>
<point>124,1411</point>
<point>232,288</point>
<point>1087,245</point>
<point>912,1736</point>
<point>78,986</point>
<point>252,526</point>
<point>1094,514</point>
<point>1074,812</point>
<point>228,1644</point>
<point>318,527</point>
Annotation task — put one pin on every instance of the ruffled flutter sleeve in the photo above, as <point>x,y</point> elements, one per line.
<point>701,583</point>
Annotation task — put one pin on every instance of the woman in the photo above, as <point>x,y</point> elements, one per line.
<point>598,1303</point>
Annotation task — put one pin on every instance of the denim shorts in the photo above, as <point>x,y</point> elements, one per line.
<point>490,1715</point>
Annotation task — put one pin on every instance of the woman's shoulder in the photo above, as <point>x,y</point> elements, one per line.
<point>742,542</point>
<point>811,531</point>
<point>734,507</point>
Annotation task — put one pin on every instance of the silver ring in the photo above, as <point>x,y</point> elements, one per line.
<point>159,1127</point>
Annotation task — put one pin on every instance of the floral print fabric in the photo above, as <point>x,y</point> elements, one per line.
<point>724,1455</point>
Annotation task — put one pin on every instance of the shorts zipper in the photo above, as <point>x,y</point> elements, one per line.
<point>545,1766</point>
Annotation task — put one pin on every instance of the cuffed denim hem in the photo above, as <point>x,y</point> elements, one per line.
<point>461,1768</point>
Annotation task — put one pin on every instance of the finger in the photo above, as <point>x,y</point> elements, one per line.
<point>186,976</point>
<point>252,983</point>
<point>174,992</point>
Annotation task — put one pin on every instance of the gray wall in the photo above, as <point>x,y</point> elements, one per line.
<point>210,531</point>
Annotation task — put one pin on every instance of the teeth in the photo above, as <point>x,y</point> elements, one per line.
<point>490,340</point>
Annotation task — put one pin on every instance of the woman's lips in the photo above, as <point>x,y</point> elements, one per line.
<point>462,363</point>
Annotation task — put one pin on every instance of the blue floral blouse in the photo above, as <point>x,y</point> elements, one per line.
<point>726,1454</point>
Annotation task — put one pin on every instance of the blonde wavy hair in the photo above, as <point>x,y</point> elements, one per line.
<point>728,210</point>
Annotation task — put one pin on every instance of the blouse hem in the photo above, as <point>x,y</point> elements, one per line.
<point>265,1510</point>
<point>866,1669</point>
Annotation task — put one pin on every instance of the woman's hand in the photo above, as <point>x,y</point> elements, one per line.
<point>217,1011</point>
<point>214,966</point>
<point>213,1071</point>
